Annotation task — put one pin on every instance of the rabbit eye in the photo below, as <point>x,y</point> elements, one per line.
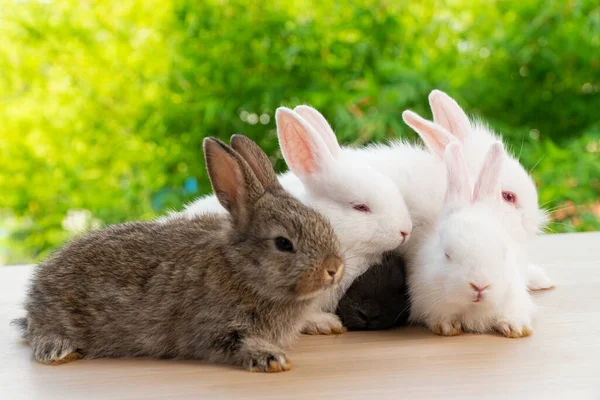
<point>361,207</point>
<point>284,244</point>
<point>509,197</point>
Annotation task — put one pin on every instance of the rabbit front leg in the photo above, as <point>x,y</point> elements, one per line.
<point>321,320</point>
<point>515,320</point>
<point>259,355</point>
<point>54,350</point>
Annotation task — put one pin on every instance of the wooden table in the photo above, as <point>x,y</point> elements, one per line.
<point>561,359</point>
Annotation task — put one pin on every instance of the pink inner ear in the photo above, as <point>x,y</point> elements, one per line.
<point>476,191</point>
<point>458,191</point>
<point>488,181</point>
<point>320,124</point>
<point>299,150</point>
<point>231,178</point>
<point>439,116</point>
<point>433,135</point>
<point>459,188</point>
<point>448,114</point>
<point>488,186</point>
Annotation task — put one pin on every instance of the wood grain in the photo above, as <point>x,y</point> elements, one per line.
<point>561,359</point>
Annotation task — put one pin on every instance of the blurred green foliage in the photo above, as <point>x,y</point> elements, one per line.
<point>104,105</point>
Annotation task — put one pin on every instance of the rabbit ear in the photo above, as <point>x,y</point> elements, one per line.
<point>234,184</point>
<point>458,190</point>
<point>448,114</point>
<point>488,182</point>
<point>302,147</point>
<point>435,137</point>
<point>257,160</point>
<point>320,124</point>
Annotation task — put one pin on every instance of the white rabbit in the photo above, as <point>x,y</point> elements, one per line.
<point>363,205</point>
<point>465,276</point>
<point>419,175</point>
<point>521,215</point>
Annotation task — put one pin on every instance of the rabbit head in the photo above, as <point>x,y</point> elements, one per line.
<point>281,247</point>
<point>523,218</point>
<point>366,209</point>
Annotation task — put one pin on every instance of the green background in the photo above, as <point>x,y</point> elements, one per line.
<point>104,104</point>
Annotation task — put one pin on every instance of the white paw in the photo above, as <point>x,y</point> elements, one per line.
<point>537,279</point>
<point>513,328</point>
<point>323,323</point>
<point>447,328</point>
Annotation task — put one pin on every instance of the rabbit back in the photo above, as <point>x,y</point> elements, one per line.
<point>123,291</point>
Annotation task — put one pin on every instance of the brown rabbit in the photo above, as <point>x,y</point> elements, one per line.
<point>229,289</point>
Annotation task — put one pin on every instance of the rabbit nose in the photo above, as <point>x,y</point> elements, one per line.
<point>333,268</point>
<point>404,236</point>
<point>479,289</point>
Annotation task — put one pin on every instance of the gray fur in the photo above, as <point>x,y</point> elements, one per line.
<point>214,288</point>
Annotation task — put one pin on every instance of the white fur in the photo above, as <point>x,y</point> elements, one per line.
<point>470,246</point>
<point>419,176</point>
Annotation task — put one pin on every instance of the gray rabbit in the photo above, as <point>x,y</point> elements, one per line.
<point>228,289</point>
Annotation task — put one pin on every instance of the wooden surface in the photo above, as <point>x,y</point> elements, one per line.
<point>560,360</point>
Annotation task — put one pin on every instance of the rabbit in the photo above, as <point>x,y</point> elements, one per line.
<point>378,299</point>
<point>363,205</point>
<point>365,208</point>
<point>466,276</point>
<point>522,216</point>
<point>227,288</point>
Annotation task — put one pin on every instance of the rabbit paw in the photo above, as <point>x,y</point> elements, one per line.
<point>447,328</point>
<point>323,323</point>
<point>67,358</point>
<point>537,279</point>
<point>54,351</point>
<point>267,362</point>
<point>513,329</point>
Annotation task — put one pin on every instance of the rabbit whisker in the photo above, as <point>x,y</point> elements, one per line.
<point>520,151</point>
<point>536,164</point>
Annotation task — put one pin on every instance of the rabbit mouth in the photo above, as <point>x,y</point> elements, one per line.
<point>333,270</point>
<point>331,284</point>
<point>479,298</point>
